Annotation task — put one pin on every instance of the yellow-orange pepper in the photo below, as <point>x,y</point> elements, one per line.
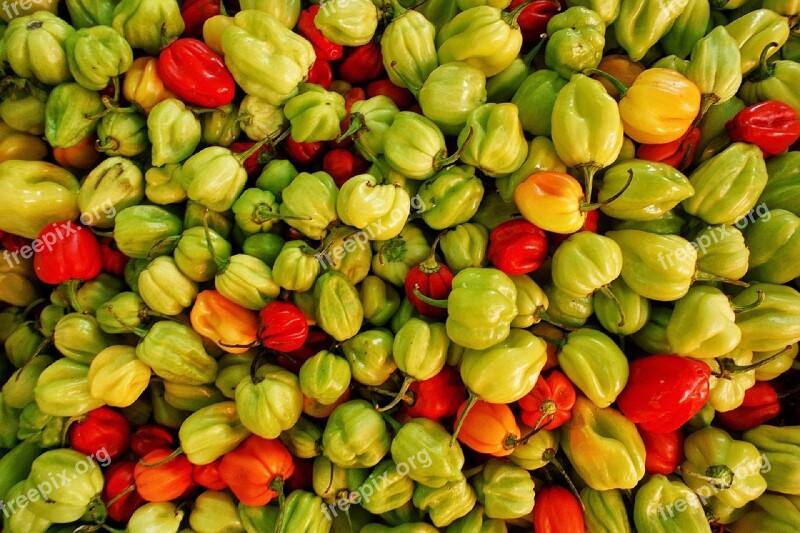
<point>142,85</point>
<point>212,31</point>
<point>622,68</point>
<point>552,200</point>
<point>227,324</point>
<point>17,145</point>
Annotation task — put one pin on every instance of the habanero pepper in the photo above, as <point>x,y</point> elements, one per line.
<point>533,19</point>
<point>663,451</point>
<point>161,475</point>
<point>196,74</point>
<point>437,397</point>
<point>761,403</point>
<point>101,430</point>
<point>557,510</point>
<point>549,404</point>
<point>304,153</point>
<point>227,324</point>
<point>678,154</point>
<point>119,486</point>
<point>150,437</point>
<point>324,48</point>
<point>402,97</point>
<point>253,164</point>
<point>488,428</point>
<point>114,261</point>
<point>431,279</point>
<point>256,470</point>
<point>282,327</point>
<point>771,125</point>
<point>362,64</point>
<point>343,165</point>
<point>321,73</point>
<point>208,475</point>
<point>517,247</point>
<point>195,13</point>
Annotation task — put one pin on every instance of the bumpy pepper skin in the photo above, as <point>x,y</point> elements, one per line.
<point>782,191</point>
<point>703,324</point>
<point>774,245</point>
<point>71,114</point>
<point>689,27</point>
<point>773,512</point>
<point>641,23</point>
<point>595,364</point>
<point>498,146</point>
<point>535,99</point>
<point>663,505</point>
<point>780,447</point>
<point>142,86</point>
<point>176,353</point>
<point>162,515</point>
<point>270,403</point>
<point>600,259</point>
<point>249,45</point>
<point>117,376</point>
<point>605,511</point>
<point>34,47</point>
<point>324,377</point>
<point>420,349</point>
<point>113,185</point>
<point>213,177</point>
<point>464,246</point>
<point>174,132</point>
<point>451,197</point>
<point>63,390</point>
<point>315,114</point>
<point>505,490</point>
<point>754,31</point>
<point>714,67</point>
<point>409,49</point>
<point>89,13</point>
<point>414,146</point>
<point>79,337</point>
<point>722,251</point>
<point>122,134</point>
<point>773,324</point>
<point>603,446</point>
<point>95,55</point>
<point>575,41</point>
<point>355,436</point>
<point>776,82</point>
<point>351,24</point>
<point>211,432</point>
<point>148,24</point>
<point>635,309</point>
<point>380,210</point>
<point>145,231</point>
<point>312,199</point>
<point>247,281</point>
<point>447,504</point>
<point>450,93</point>
<point>339,310</point>
<point>370,356</point>
<point>444,461</point>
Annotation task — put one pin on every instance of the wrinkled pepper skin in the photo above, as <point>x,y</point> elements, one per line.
<point>773,512</point>
<point>176,353</point>
<point>703,324</point>
<point>774,247</point>
<point>71,115</point>
<point>605,511</point>
<point>148,24</point>
<point>355,436</point>
<point>409,49</point>
<point>772,324</point>
<point>595,364</point>
<point>663,505</point>
<point>34,47</point>
<point>445,461</point>
<point>96,55</point>
<point>576,38</point>
<point>498,146</point>
<point>505,490</point>
<point>641,23</point>
<point>754,31</point>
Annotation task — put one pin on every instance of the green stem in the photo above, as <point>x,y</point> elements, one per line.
<point>473,471</point>
<point>618,85</point>
<point>441,304</point>
<point>71,288</point>
<point>415,89</point>
<point>597,205</point>
<point>613,297</point>
<point>399,396</point>
<point>704,276</point>
<point>511,17</point>
<point>473,398</point>
<point>357,125</point>
<point>442,161</point>
<point>221,264</point>
<point>163,461</point>
<point>139,332</point>
<point>530,56</point>
<point>31,306</point>
<point>277,486</point>
<point>394,424</point>
<point>728,366</point>
<point>550,455</point>
<point>763,70</point>
<point>749,307</point>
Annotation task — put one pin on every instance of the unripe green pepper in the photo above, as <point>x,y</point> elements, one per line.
<point>88,13</point>
<point>312,199</point>
<point>379,300</point>
<point>270,401</point>
<point>23,519</point>
<point>451,197</point>
<point>380,210</point>
<point>247,281</point>
<point>600,259</point>
<point>191,398</point>
<point>394,258</point>
<point>164,517</point>
<point>713,136</point>
<point>231,370</point>
<point>18,390</point>
<point>221,127</point>
<point>703,324</point>
<point>774,245</point>
<point>196,215</point>
<point>9,430</point>
<point>575,41</point>
<point>505,490</point>
<point>771,512</point>
<point>213,177</point>
<point>607,10</point>
<point>689,27</point>
<point>350,24</point>
<point>338,308</point>
<point>175,353</point>
<point>22,344</point>
<point>530,301</point>
<point>414,146</point>
<point>115,184</point>
<point>394,489</point>
<point>451,92</point>
<point>663,505</point>
<point>754,31</point>
<point>24,110</point>
<point>369,120</point>
<point>303,439</point>
<point>502,86</point>
<point>117,376</point>
<point>148,24</point>
<point>257,118</point>
<point>604,447</point>
<point>446,504</point>
<point>162,412</point>
<point>164,288</point>
<point>34,47</point>
<point>409,50</point>
<point>194,257</point>
<point>369,354</point>
<point>63,389</point>
<point>722,252</point>
<point>497,145</point>
<point>324,377</point>
<point>276,176</point>
<point>714,67</point>
<point>264,246</point>
<point>215,511</point>
<point>782,191</point>
<point>772,324</point>
<point>296,268</point>
<point>355,436</point>
<point>464,246</point>
<point>420,349</point>
<point>774,82</point>
<point>641,23</point>
<point>174,132</point>
<point>347,252</point>
<point>211,432</point>
<point>605,511</point>
<point>71,114</point>
<point>123,134</point>
<point>96,55</point>
<point>315,114</point>
<point>779,445</point>
<point>250,45</point>
<point>164,184</point>
<point>444,459</point>
<point>255,211</point>
<point>530,454</point>
<point>535,99</point>
<point>595,364</point>
<point>79,337</point>
<point>635,309</point>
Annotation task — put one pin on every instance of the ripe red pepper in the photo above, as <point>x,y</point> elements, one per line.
<point>195,73</point>
<point>664,391</point>
<point>13,243</point>
<point>161,478</point>
<point>761,403</point>
<point>195,13</point>
<point>151,437</point>
<point>557,510</point>
<point>118,480</point>
<point>102,430</point>
<point>324,48</point>
<point>114,261</point>
<point>534,18</point>
<point>664,451</point>
<point>771,125</point>
<point>66,252</point>
<point>257,159</point>
<point>256,469</point>
<point>353,95</point>
<point>678,154</point>
<point>589,224</point>
<point>208,476</point>
<point>343,165</point>
<point>282,327</point>
<point>549,404</point>
<point>402,97</point>
<point>432,279</point>
<point>437,397</point>
<point>304,153</point>
<point>363,64</point>
<point>321,73</point>
<point>517,247</point>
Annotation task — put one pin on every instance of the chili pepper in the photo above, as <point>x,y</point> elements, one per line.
<point>549,404</point>
<point>657,500</point>
<point>432,279</point>
<point>372,207</point>
<point>226,323</point>
<point>114,261</point>
<point>488,428</point>
<point>211,432</point>
<point>161,475</point>
<point>505,490</point>
<point>363,64</point>
<point>214,509</point>
<point>175,352</point>
<point>437,397</point>
<point>208,475</point>
<point>103,430</point>
<point>557,510</point>
<point>492,140</point>
<point>74,254</point>
<point>641,24</point>
<point>343,165</point>
<point>324,48</point>
<point>445,504</point>
<point>771,511</point>
<point>324,377</point>
<point>678,154</point>
<point>534,18</point>
<point>771,125</point>
<point>601,376</point>
<point>165,516</point>
<point>760,405</point>
<point>369,356</point>
<point>605,510</point>
<point>575,42</point>
<point>355,435</point>
<point>664,451</point>
<point>149,437</point>
<point>269,400</point>
<point>351,24</point>
<point>195,13</point>
<point>777,444</point>
<point>401,96</point>
<point>304,153</point>
<point>771,324</point>
<point>113,185</point>
<point>142,85</point>
<point>45,39</point>
<point>753,32</point>
<point>321,74</point>
<point>147,24</point>
<point>97,55</point>
<point>119,486</point>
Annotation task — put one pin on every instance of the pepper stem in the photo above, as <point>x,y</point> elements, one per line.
<point>430,265</point>
<point>71,287</point>
<point>139,332</point>
<point>165,460</point>
<point>441,161</point>
<point>242,156</point>
<point>704,276</point>
<point>588,179</point>
<point>415,89</point>
<point>277,485</point>
<point>441,304</point>
<point>130,488</point>
<point>763,70</point>
<point>357,125</point>
<point>471,400</point>
<point>473,471</point>
<point>542,314</point>
<point>618,85</point>
<point>399,396</point>
<point>539,426</point>
<point>727,366</point>
<point>613,297</point>
<point>706,101</point>
<point>749,307</point>
<point>530,56</point>
<point>712,476</point>
<point>392,422</point>
<point>511,17</point>
<point>597,205</point>
<point>550,456</point>
<point>221,264</point>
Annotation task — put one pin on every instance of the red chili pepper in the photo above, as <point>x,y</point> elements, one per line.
<point>257,159</point>
<point>761,403</point>
<point>324,48</point>
<point>664,391</point>
<point>432,279</point>
<point>557,510</point>
<point>517,247</point>
<point>363,64</point>
<point>549,404</point>
<point>771,125</point>
<point>437,397</point>
<point>151,437</point>
<point>195,13</point>
<point>353,95</point>
<point>343,165</point>
<point>160,478</point>
<point>208,476</point>
<point>102,431</point>
<point>664,451</point>
<point>589,224</point>
<point>195,73</point>
<point>402,97</point>
<point>118,479</point>
<point>66,252</point>
<point>13,243</point>
<point>534,18</point>
<point>678,154</point>
<point>257,469</point>
<point>321,73</point>
<point>114,261</point>
<point>282,327</point>
<point>304,153</point>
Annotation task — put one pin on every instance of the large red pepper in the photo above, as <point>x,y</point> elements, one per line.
<point>664,451</point>
<point>761,403</point>
<point>557,510</point>
<point>343,165</point>
<point>66,252</point>
<point>534,18</point>
<point>437,397</point>
<point>195,73</point>
<point>549,404</point>
<point>101,431</point>
<point>324,48</point>
<point>363,64</point>
<point>771,125</point>
<point>517,247</point>
<point>119,486</point>
<point>282,327</point>
<point>195,13</point>
<point>664,391</point>
<point>678,154</point>
<point>432,279</point>
<point>255,471</point>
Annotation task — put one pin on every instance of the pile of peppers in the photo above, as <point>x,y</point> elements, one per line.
<point>397,266</point>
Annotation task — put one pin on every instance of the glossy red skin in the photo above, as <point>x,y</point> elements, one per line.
<point>102,430</point>
<point>321,73</point>
<point>664,391</point>
<point>304,153</point>
<point>166,481</point>
<point>195,73</point>
<point>364,63</point>
<point>517,247</point>
<point>114,261</point>
<point>282,327</point>
<point>771,125</point>
<point>761,403</point>
<point>678,154</point>
<point>343,165</point>
<point>257,159</point>
<point>534,18</point>
<point>664,451</point>
<point>207,476</point>
<point>555,387</point>
<point>557,510</point>
<point>324,48</point>
<point>434,282</point>
<point>13,243</point>
<point>67,251</point>
<point>402,97</point>
<point>437,397</point>
<point>195,13</point>
<point>118,478</point>
<point>589,224</point>
<point>151,437</point>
